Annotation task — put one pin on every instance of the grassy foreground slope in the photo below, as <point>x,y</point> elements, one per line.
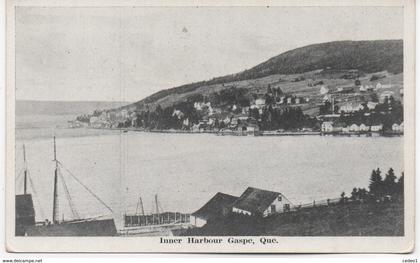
<point>350,219</point>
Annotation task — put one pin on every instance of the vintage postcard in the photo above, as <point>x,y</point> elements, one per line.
<point>210,126</point>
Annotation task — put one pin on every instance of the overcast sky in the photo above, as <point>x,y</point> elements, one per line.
<point>126,54</point>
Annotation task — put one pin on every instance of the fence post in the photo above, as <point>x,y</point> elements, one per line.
<point>328,202</point>
<point>314,203</point>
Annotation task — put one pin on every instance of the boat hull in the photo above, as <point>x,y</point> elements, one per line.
<point>105,227</point>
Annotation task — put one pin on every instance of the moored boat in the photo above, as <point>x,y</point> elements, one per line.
<point>26,225</point>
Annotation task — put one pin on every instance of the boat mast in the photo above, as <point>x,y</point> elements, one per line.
<point>157,208</point>
<point>141,206</point>
<point>55,198</point>
<point>25,172</point>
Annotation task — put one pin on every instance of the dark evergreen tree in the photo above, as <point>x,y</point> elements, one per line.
<point>376,184</point>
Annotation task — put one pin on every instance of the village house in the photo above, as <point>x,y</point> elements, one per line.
<point>217,207</point>
<point>354,127</point>
<point>351,107</point>
<point>260,103</point>
<point>327,126</point>
<point>323,90</point>
<point>258,202</point>
<point>226,120</point>
<point>385,95</point>
<point>371,105</point>
<point>289,100</point>
<point>376,127</point>
<point>93,120</point>
<point>178,114</point>
<point>252,128</point>
<point>398,127</point>
<point>186,123</point>
<point>364,128</point>
<point>198,105</point>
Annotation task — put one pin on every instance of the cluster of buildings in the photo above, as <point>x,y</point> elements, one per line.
<point>112,119</point>
<point>252,202</point>
<point>340,127</point>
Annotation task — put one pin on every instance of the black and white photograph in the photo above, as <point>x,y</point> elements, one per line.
<point>231,126</point>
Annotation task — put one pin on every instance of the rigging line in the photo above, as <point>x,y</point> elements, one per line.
<point>19,174</point>
<point>36,196</point>
<point>160,206</point>
<point>86,188</point>
<point>69,199</point>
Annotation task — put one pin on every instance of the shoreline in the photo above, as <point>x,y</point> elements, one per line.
<point>260,133</point>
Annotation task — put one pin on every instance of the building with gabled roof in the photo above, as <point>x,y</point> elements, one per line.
<point>218,206</point>
<point>258,202</point>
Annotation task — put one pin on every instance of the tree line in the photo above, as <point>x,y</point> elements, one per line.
<point>381,188</point>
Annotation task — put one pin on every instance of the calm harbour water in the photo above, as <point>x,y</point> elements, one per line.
<point>186,170</point>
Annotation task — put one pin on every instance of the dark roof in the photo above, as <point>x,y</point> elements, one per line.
<point>255,200</point>
<point>104,227</point>
<point>24,206</point>
<point>215,206</point>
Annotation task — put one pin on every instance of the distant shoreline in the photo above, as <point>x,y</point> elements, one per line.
<point>260,133</point>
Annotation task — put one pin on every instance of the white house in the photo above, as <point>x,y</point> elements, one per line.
<point>297,101</point>
<point>323,90</point>
<point>386,94</point>
<point>289,100</point>
<point>93,120</point>
<point>258,202</point>
<point>354,127</point>
<point>350,107</point>
<point>252,128</point>
<point>327,126</point>
<point>395,127</point>
<point>178,114</point>
<point>363,127</point>
<point>371,105</point>
<point>376,127</point>
<point>227,120</point>
<point>217,207</point>
<point>398,127</point>
<point>260,102</point>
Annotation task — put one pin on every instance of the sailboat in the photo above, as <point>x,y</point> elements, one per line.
<point>24,206</point>
<point>57,227</point>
